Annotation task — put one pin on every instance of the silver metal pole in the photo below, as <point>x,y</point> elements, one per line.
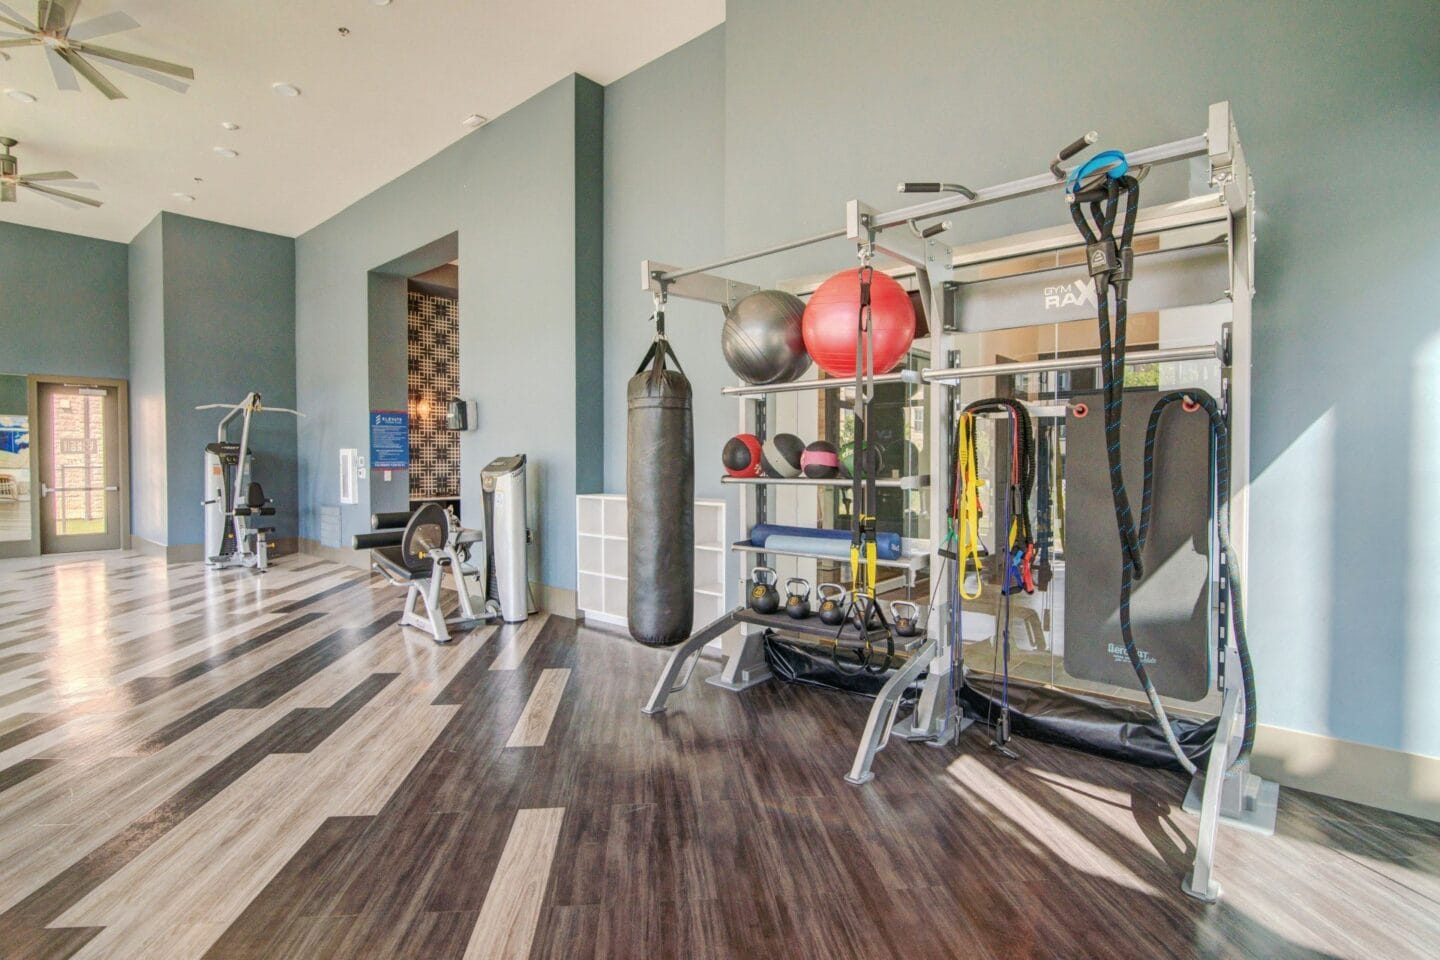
<point>728,261</point>
<point>827,383</point>
<point>955,374</point>
<point>1196,146</point>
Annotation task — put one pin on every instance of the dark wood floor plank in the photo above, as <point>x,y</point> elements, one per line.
<point>722,828</point>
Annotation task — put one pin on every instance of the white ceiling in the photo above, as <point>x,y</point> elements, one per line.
<point>373,104</point>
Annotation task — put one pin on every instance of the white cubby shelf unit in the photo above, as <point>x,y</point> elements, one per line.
<point>602,558</point>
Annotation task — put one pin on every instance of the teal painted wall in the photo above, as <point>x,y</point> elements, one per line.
<point>509,191</point>
<point>665,200</point>
<point>14,395</point>
<point>63,304</point>
<point>1336,104</point>
<point>229,300</point>
<point>149,479</point>
<point>212,317</point>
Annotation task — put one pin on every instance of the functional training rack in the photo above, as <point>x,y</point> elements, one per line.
<point>1200,251</point>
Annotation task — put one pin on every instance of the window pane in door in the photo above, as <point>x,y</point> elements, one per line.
<point>78,463</point>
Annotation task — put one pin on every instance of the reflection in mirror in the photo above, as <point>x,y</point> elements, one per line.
<point>14,459</point>
<point>1037,620</point>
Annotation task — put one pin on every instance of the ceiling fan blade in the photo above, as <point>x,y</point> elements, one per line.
<point>50,175</point>
<point>11,16</point>
<point>55,15</point>
<point>65,77</point>
<point>26,41</point>
<point>61,194</point>
<point>102,26</point>
<point>84,68</point>
<point>136,60</point>
<point>7,192</point>
<point>179,86</point>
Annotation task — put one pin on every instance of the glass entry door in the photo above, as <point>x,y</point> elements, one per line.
<point>79,467</point>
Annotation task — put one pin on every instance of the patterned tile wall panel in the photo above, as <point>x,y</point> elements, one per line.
<point>434,378</point>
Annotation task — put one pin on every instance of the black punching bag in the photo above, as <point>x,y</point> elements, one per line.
<point>660,493</point>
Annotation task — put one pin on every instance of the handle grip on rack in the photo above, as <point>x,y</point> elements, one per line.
<point>1069,151</point>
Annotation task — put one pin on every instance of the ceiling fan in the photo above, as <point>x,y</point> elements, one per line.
<point>69,50</point>
<point>11,180</point>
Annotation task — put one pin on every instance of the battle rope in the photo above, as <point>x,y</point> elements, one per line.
<point>1111,260</point>
<point>1229,560</point>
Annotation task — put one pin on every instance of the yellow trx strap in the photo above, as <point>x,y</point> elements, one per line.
<point>968,546</point>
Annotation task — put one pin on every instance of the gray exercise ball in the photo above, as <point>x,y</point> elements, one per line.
<point>762,339</point>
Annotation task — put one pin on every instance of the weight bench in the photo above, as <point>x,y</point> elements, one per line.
<point>417,558</point>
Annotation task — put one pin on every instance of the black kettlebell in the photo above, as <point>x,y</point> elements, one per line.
<point>832,604</point>
<point>906,617</point>
<point>797,604</point>
<point>764,598</point>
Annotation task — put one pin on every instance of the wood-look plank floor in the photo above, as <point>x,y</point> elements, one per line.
<point>224,765</point>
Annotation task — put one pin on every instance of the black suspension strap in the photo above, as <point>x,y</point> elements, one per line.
<point>864,608</point>
<point>1018,537</point>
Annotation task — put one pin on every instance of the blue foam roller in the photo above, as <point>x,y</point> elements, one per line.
<point>888,546</point>
<point>820,546</point>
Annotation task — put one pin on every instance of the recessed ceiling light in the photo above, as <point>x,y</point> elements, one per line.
<point>285,89</point>
<point>20,95</point>
<point>229,125</point>
<point>474,120</point>
<point>381,3</point>
<point>183,196</point>
<point>227,153</point>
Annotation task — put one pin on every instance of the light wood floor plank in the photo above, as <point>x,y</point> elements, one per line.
<point>506,926</point>
<point>539,713</point>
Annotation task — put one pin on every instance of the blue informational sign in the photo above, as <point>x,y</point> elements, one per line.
<point>389,440</point>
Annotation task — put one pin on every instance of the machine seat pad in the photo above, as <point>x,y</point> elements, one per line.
<point>391,561</point>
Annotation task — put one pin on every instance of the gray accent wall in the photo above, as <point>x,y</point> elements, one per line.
<point>63,304</point>
<point>1336,104</point>
<point>510,192</point>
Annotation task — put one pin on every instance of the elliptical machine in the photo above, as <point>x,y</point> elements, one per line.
<point>232,498</point>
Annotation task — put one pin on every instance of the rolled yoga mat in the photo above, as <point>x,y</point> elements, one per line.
<point>888,546</point>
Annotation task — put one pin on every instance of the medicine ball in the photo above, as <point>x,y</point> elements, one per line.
<point>741,455</point>
<point>781,456</point>
<point>873,456</point>
<point>829,323</point>
<point>762,339</point>
<point>821,460</point>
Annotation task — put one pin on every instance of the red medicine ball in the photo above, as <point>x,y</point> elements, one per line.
<point>831,316</point>
<point>741,455</point>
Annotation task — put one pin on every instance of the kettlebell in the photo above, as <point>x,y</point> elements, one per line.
<point>797,604</point>
<point>832,604</point>
<point>764,598</point>
<point>906,616</point>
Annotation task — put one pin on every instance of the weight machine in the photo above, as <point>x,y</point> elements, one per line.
<point>232,498</point>
<point>1196,251</point>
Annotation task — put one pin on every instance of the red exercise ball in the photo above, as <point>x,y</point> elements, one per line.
<point>831,316</point>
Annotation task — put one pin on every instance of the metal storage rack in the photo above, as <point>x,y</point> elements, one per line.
<point>1223,216</point>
